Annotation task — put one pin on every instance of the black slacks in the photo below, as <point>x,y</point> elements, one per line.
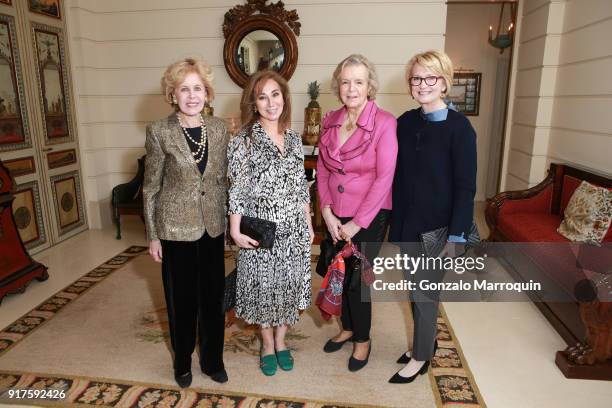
<point>357,314</point>
<point>194,280</point>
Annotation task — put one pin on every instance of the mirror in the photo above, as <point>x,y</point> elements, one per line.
<point>260,41</point>
<point>259,50</point>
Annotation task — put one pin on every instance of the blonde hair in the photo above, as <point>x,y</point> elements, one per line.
<point>248,114</point>
<point>356,59</point>
<point>436,61</point>
<point>176,72</point>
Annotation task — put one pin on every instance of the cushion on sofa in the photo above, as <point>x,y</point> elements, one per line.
<point>530,227</point>
<point>588,214</point>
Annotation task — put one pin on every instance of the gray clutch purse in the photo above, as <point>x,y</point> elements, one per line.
<point>434,241</point>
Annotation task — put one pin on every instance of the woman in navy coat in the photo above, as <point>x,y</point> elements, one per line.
<point>433,187</point>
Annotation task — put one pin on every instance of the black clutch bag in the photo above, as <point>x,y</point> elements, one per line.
<point>434,241</point>
<point>262,231</point>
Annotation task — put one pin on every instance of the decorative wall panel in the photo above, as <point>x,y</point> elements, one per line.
<point>61,158</point>
<point>14,130</point>
<point>68,201</point>
<point>21,166</point>
<point>53,83</point>
<point>28,214</point>
<point>49,8</point>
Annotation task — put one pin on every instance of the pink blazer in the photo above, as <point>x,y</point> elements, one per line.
<point>355,180</point>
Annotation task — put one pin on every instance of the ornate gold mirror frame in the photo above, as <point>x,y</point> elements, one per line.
<point>266,22</point>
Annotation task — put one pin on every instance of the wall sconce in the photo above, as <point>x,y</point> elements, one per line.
<point>503,41</point>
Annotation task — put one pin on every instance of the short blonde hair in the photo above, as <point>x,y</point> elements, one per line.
<point>438,62</point>
<point>176,72</point>
<point>248,108</point>
<point>356,59</point>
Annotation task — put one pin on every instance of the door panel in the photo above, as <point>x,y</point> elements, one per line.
<point>38,141</point>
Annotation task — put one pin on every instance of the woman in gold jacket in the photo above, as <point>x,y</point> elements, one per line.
<point>184,193</point>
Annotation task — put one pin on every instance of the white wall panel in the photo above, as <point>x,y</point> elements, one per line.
<point>531,6</point>
<point>533,111</point>
<point>146,81</point>
<point>118,6</point>
<point>389,18</point>
<point>531,53</point>
<point>519,164</point>
<point>514,183</point>
<point>570,145</point>
<point>590,42</point>
<point>586,78</point>
<point>578,14</point>
<point>584,113</point>
<point>535,24</point>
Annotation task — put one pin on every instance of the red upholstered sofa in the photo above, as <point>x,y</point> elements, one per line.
<point>533,215</point>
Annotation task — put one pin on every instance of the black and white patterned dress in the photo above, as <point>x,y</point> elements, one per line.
<point>272,284</point>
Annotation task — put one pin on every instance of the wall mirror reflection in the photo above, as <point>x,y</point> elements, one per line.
<point>260,49</point>
<point>260,36</point>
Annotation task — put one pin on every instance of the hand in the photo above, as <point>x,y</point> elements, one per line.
<point>333,224</point>
<point>452,250</point>
<point>311,232</point>
<point>349,230</point>
<point>244,241</point>
<point>155,250</point>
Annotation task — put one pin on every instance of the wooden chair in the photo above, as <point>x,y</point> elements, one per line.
<point>127,198</point>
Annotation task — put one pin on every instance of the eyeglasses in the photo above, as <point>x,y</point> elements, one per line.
<point>430,80</point>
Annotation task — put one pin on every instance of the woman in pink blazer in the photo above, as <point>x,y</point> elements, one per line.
<point>357,155</point>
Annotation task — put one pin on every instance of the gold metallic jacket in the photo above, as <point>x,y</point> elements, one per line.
<point>180,204</point>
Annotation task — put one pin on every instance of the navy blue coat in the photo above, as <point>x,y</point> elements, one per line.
<point>435,176</point>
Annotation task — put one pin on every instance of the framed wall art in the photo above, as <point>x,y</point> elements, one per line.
<point>68,202</point>
<point>14,129</point>
<point>465,93</point>
<point>53,83</point>
<point>21,166</point>
<point>61,158</point>
<point>28,214</point>
<point>49,8</point>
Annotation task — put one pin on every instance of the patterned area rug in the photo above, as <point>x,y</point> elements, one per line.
<point>451,380</point>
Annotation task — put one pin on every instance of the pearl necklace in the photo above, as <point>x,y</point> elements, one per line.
<point>198,155</point>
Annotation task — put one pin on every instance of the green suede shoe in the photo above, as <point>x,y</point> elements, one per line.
<point>268,364</point>
<point>285,361</point>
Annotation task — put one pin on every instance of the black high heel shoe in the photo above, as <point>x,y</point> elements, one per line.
<point>219,376</point>
<point>332,346</point>
<point>404,359</point>
<point>183,380</point>
<point>398,379</point>
<point>356,365</point>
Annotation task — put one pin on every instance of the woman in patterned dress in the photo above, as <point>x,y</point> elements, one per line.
<point>267,181</point>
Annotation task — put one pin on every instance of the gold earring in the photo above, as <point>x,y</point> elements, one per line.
<point>174,100</point>
<point>254,109</point>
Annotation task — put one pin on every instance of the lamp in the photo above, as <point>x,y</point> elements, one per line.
<point>503,41</point>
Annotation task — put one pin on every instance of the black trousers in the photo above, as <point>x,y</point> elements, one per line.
<point>357,314</point>
<point>194,280</point>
